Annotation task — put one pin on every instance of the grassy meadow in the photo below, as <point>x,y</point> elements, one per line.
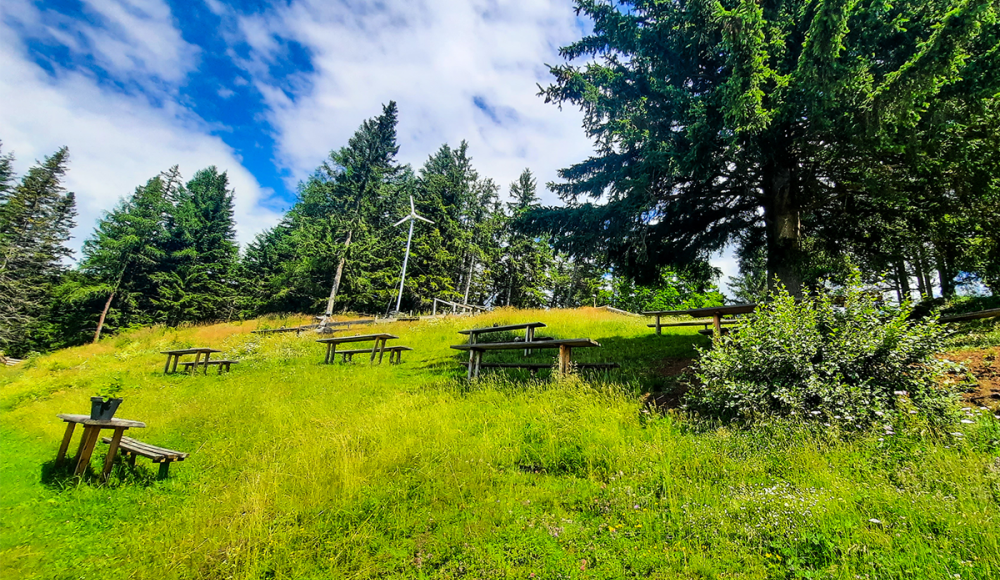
<point>304,470</point>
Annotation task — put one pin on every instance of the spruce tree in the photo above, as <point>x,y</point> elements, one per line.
<point>36,217</point>
<point>127,249</point>
<point>710,117</point>
<point>199,282</point>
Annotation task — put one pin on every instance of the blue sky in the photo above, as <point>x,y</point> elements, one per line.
<point>265,90</point>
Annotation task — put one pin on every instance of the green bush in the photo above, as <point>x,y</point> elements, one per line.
<point>846,359</point>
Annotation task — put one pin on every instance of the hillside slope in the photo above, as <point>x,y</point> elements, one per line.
<point>304,470</point>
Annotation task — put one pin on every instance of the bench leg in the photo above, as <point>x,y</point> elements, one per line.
<point>65,442</point>
<point>166,367</point>
<point>657,325</point>
<point>162,473</point>
<point>382,352</point>
<point>112,450</point>
<point>89,441</point>
<point>564,358</point>
<point>131,459</point>
<point>177,359</point>
<point>529,336</point>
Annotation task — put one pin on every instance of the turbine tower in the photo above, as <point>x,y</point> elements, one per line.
<point>412,217</point>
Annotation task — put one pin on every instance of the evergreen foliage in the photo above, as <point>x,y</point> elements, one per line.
<point>36,216</point>
<point>714,118</point>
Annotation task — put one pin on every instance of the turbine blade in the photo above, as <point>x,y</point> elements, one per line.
<point>400,221</point>
<point>412,210</point>
<point>422,218</point>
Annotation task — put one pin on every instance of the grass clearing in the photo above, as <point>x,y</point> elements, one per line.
<point>303,470</point>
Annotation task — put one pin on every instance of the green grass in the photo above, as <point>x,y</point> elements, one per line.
<point>302,470</point>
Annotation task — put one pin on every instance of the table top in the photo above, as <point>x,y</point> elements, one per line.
<point>502,328</point>
<point>555,343</point>
<point>195,350</point>
<point>709,311</point>
<point>356,338</point>
<point>88,422</point>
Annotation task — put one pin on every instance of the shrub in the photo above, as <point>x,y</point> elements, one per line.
<point>846,358</point>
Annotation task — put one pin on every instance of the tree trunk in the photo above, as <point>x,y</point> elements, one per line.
<point>924,269</point>
<point>782,217</point>
<point>945,274</point>
<point>100,323</point>
<point>918,264</point>
<point>340,272</point>
<point>904,280</point>
<point>468,278</point>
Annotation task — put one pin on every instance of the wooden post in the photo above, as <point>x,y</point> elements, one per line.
<point>162,473</point>
<point>479,359</point>
<point>166,367</point>
<point>90,439</point>
<point>564,357</point>
<point>657,325</point>
<point>177,359</point>
<point>472,362</point>
<point>717,320</point>
<point>65,442</point>
<point>197,359</point>
<point>112,450</point>
<point>529,336</point>
<point>207,356</point>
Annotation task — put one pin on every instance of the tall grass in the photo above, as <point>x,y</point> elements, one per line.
<point>305,470</point>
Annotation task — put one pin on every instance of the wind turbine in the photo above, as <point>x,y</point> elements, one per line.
<point>412,217</point>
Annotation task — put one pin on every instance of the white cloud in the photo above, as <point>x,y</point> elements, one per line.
<point>116,141</point>
<point>433,58</point>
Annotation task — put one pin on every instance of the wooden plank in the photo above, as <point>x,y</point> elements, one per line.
<point>109,461</point>
<point>67,437</point>
<point>90,440</point>
<point>538,344</point>
<point>107,423</point>
<point>502,328</point>
<point>695,323</point>
<point>544,365</point>
<point>708,311</point>
<point>971,315</point>
<point>157,454</point>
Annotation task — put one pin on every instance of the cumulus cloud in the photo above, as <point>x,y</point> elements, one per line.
<point>116,140</point>
<point>458,70</point>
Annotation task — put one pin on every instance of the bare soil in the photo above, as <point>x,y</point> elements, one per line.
<point>984,365</point>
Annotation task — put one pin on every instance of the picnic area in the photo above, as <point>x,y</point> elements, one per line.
<point>294,435</point>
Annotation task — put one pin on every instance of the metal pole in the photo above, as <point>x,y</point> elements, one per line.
<point>402,278</point>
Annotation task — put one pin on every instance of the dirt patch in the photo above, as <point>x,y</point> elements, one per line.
<point>673,367</point>
<point>669,396</point>
<point>984,364</point>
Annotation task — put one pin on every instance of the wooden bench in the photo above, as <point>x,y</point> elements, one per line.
<point>161,455</point>
<point>395,353</point>
<point>529,332</point>
<point>705,323</point>
<point>565,346</point>
<point>535,367</point>
<point>971,315</point>
<point>223,364</point>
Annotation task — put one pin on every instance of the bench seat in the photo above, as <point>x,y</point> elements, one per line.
<point>395,353</point>
<point>163,456</point>
<point>223,364</point>
<point>706,323</point>
<point>535,367</point>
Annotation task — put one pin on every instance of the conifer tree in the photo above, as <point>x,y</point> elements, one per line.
<point>127,249</point>
<point>36,217</point>
<point>200,280</point>
<point>710,117</point>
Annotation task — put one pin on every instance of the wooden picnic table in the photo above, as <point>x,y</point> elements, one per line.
<point>716,312</point>
<point>379,346</point>
<point>176,355</point>
<point>91,432</point>
<point>565,347</point>
<point>529,332</point>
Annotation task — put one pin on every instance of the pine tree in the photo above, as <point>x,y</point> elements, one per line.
<point>127,249</point>
<point>36,217</point>
<point>709,118</point>
<point>200,280</point>
<point>527,258</point>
